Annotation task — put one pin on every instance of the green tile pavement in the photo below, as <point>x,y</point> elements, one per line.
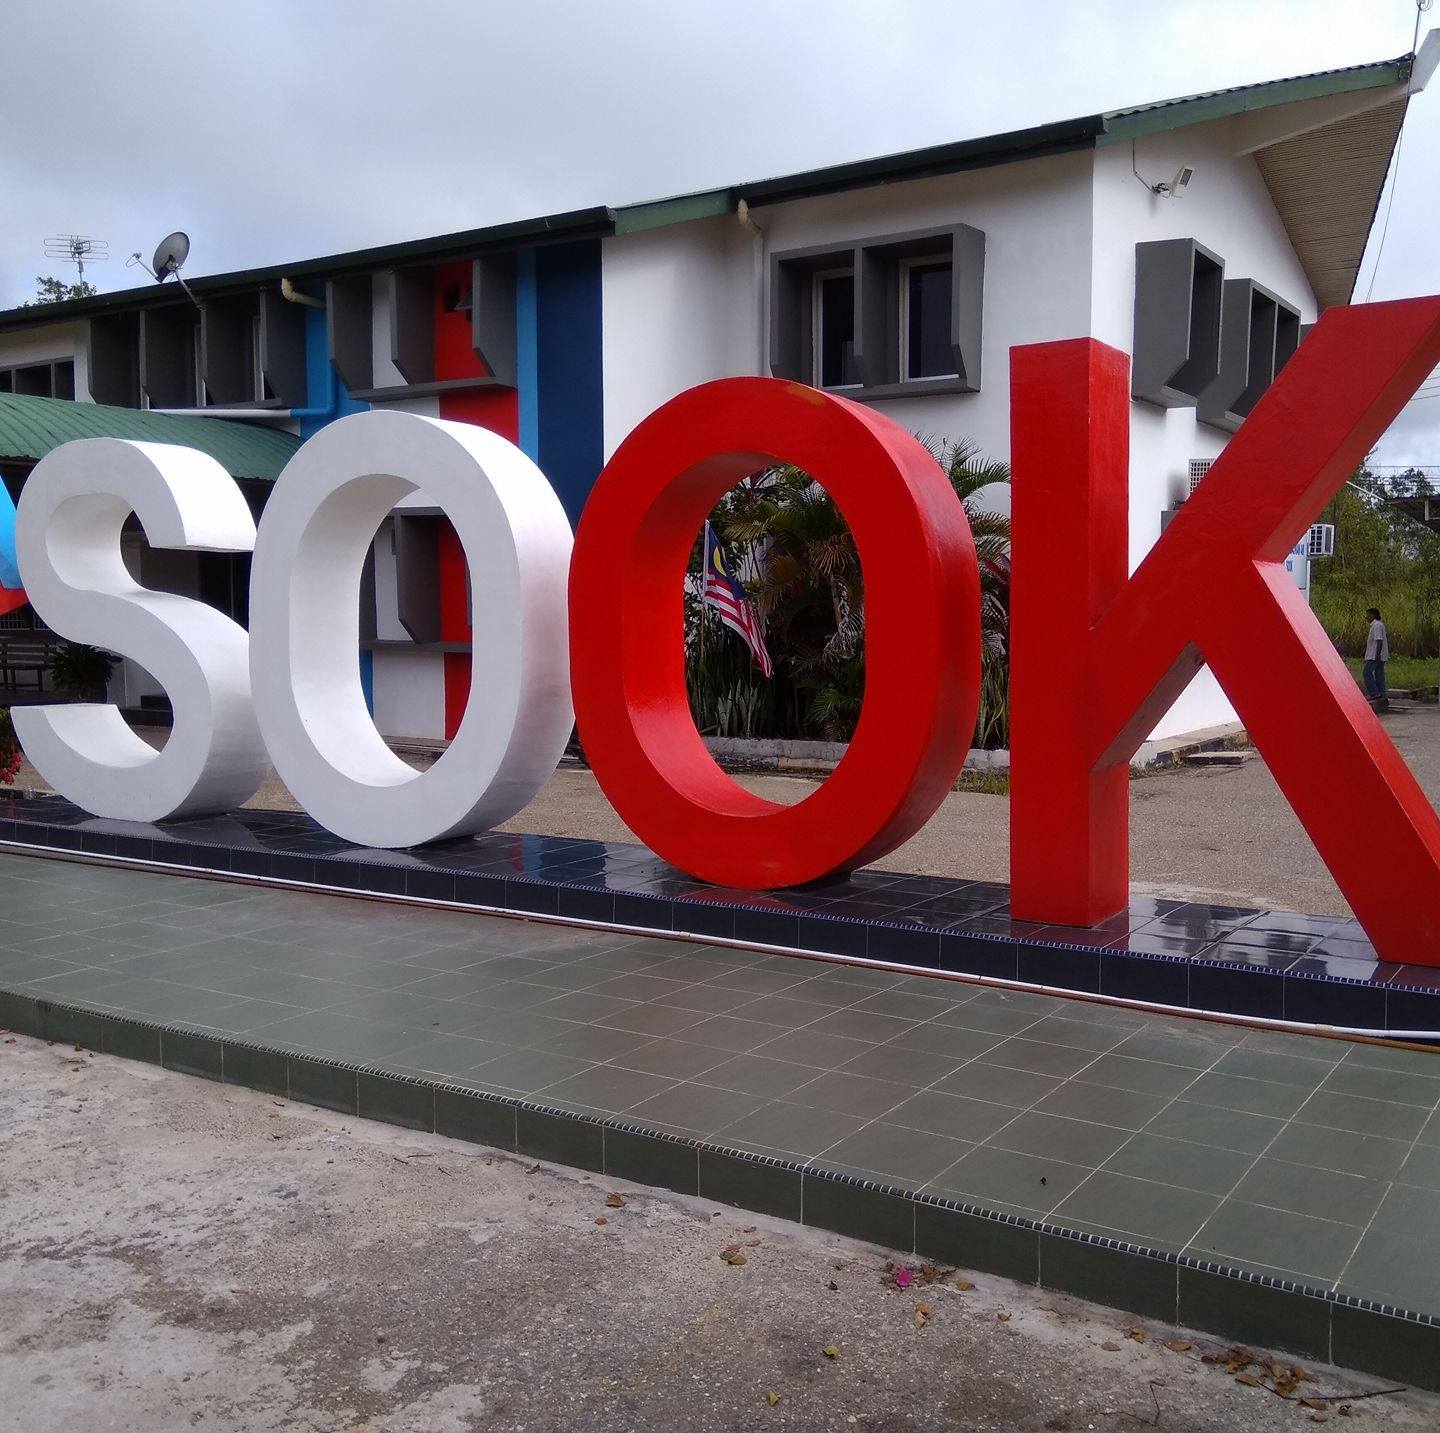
<point>1163,1157</point>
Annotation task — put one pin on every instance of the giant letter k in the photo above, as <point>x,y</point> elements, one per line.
<point>1099,659</point>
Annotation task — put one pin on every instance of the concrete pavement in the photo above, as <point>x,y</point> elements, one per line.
<point>178,1255</point>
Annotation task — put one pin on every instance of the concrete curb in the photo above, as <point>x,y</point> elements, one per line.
<point>764,754</point>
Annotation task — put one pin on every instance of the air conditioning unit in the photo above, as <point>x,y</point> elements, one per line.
<point>1321,540</point>
<point>1198,468</point>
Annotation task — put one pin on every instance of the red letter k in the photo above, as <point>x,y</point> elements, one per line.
<point>1099,659</point>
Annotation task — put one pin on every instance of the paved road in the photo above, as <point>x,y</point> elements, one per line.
<point>1224,834</point>
<point>176,1255</point>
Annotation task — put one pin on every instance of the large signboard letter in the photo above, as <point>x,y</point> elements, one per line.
<point>68,539</point>
<point>1098,659</point>
<point>922,632</point>
<point>304,628</point>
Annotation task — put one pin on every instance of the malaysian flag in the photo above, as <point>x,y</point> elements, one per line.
<point>724,592</point>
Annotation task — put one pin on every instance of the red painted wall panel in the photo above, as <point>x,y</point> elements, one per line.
<point>497,410</point>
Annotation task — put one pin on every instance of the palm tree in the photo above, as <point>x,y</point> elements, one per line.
<point>804,575</point>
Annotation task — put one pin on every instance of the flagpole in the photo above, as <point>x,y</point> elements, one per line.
<point>704,564</point>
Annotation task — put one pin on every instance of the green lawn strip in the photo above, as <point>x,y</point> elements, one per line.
<point>1402,673</point>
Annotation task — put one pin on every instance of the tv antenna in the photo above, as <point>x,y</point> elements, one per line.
<point>170,254</point>
<point>77,249</point>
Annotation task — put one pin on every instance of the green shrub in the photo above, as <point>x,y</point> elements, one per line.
<point>80,671</point>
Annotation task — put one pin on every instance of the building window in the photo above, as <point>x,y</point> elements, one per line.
<point>885,317</point>
<point>833,305</point>
<point>925,304</point>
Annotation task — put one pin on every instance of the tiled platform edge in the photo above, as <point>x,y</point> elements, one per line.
<point>1309,971</point>
<point>1246,1307</point>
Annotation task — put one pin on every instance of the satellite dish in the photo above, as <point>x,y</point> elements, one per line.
<point>170,254</point>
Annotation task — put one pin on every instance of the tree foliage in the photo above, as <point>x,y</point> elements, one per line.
<point>50,290</point>
<point>1383,558</point>
<point>800,563</point>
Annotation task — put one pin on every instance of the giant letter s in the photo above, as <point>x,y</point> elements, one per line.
<point>68,542</point>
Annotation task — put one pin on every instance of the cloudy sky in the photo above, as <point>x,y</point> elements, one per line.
<point>281,129</point>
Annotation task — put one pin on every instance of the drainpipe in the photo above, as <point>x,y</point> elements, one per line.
<point>289,291</point>
<point>742,213</point>
<point>330,407</point>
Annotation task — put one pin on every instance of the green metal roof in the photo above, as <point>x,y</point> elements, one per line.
<point>30,427</point>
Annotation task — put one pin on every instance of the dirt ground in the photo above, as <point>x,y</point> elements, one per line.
<point>1219,833</point>
<point>178,1255</point>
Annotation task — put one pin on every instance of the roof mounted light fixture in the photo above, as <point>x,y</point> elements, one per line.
<point>1171,188</point>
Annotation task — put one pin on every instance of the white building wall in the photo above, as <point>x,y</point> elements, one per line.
<point>1228,209</point>
<point>666,296</point>
<point>681,304</point>
<point>39,345</point>
<point>1036,221</point>
<point>410,693</point>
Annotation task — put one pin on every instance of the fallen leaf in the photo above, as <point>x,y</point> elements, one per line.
<point>1110,1346</point>
<point>1314,1403</point>
<point>749,1229</point>
<point>1003,1317</point>
<point>964,1285</point>
<point>831,1350</point>
<point>834,1287</point>
<point>903,1278</point>
<point>1321,1417</point>
<point>1136,1333</point>
<point>772,1398</point>
<point>733,1256</point>
<point>601,1219</point>
<point>614,1201</point>
<point>1178,1345</point>
<point>1249,1379</point>
<point>922,1315</point>
<point>928,1270</point>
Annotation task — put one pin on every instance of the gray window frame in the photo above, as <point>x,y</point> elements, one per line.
<point>1175,353</point>
<point>1259,334</point>
<point>878,266</point>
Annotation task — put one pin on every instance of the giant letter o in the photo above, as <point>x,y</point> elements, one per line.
<point>304,604</point>
<point>922,640</point>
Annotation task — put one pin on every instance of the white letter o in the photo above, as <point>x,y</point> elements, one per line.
<point>304,628</point>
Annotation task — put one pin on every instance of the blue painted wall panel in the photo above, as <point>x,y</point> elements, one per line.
<point>569,359</point>
<point>326,396</point>
<point>527,353</point>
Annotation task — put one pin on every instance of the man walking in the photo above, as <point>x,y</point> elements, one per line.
<point>1377,653</point>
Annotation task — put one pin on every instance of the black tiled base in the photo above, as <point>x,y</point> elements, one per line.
<point>1167,1287</point>
<point>1308,971</point>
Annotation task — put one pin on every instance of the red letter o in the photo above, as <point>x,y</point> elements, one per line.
<point>627,622</point>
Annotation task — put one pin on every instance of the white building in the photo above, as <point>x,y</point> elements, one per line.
<point>1201,235</point>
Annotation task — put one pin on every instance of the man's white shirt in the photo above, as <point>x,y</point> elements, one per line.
<point>1377,643</point>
